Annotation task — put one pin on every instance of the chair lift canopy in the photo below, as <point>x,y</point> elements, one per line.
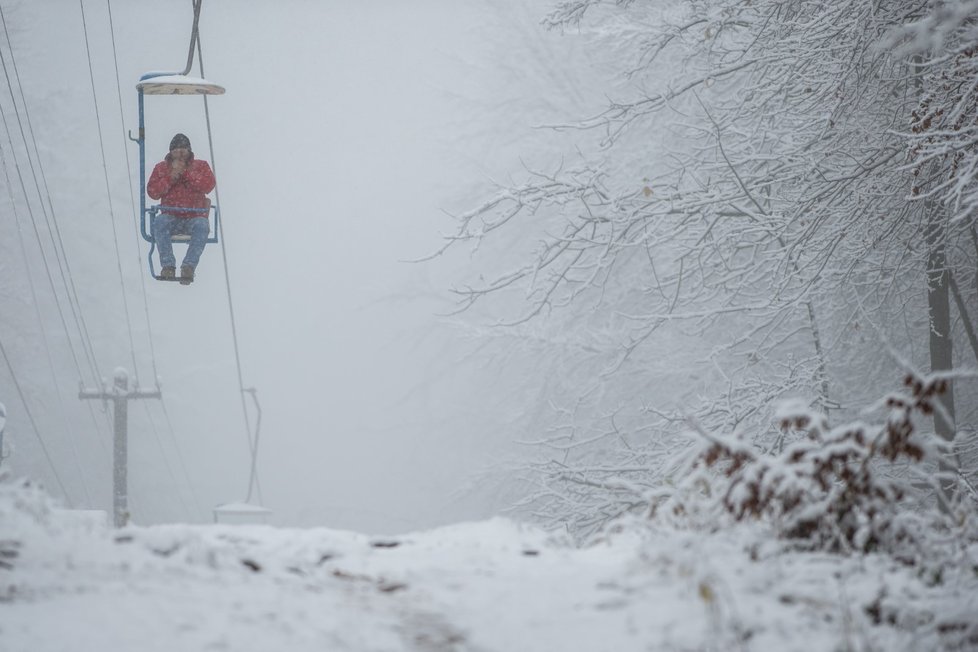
<point>156,84</point>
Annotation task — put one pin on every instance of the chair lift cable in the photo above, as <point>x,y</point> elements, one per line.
<point>63,266</point>
<point>149,324</point>
<point>108,192</point>
<point>132,194</point>
<point>253,482</point>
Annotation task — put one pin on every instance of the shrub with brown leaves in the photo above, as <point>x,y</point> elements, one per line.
<point>827,489</point>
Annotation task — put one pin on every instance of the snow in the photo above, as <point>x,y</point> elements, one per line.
<point>240,508</point>
<point>241,513</point>
<point>494,585</point>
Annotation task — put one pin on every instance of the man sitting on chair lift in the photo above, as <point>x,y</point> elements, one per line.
<point>181,182</point>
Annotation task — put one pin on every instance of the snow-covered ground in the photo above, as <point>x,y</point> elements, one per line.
<point>69,584</point>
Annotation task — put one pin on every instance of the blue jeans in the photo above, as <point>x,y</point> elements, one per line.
<point>166,226</point>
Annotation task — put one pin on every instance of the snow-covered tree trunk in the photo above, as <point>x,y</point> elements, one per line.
<point>939,305</point>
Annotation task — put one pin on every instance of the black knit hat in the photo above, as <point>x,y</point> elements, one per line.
<point>179,141</point>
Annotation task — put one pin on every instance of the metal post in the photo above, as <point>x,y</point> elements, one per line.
<point>142,165</point>
<point>120,451</point>
<point>3,423</point>
<point>120,395</point>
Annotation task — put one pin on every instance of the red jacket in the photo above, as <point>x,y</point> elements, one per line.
<point>187,191</point>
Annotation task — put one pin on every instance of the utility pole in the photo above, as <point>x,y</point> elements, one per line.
<point>120,395</point>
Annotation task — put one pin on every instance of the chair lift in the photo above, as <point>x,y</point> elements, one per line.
<point>157,83</point>
<point>170,83</point>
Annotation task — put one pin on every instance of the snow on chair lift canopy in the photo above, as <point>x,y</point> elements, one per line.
<point>167,83</point>
<point>170,84</point>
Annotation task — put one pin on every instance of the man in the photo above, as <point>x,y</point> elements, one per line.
<point>181,181</point>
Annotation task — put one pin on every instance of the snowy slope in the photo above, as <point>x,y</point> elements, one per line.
<point>489,586</point>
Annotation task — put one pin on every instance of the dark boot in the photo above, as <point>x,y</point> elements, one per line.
<point>168,272</point>
<point>186,274</point>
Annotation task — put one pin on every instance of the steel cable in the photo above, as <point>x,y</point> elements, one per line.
<point>108,191</point>
<point>253,481</point>
<point>54,230</point>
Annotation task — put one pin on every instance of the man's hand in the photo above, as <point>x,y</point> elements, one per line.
<point>178,162</point>
<point>176,169</point>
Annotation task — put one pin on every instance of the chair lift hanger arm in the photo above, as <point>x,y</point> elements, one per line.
<point>179,83</point>
<point>193,37</point>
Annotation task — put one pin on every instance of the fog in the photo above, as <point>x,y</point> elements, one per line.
<point>348,133</point>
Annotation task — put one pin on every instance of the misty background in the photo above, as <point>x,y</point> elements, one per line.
<point>349,133</point>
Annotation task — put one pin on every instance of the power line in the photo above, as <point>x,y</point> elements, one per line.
<point>166,461</point>
<point>63,266</point>
<point>183,465</point>
<point>43,331</point>
<point>132,197</point>
<point>78,318</point>
<point>108,191</point>
<point>37,234</point>
<point>37,432</point>
<point>159,443</point>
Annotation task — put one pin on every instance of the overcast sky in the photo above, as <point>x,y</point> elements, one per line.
<point>348,130</point>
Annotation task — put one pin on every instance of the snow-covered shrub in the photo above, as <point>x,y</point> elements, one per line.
<point>24,508</point>
<point>830,488</point>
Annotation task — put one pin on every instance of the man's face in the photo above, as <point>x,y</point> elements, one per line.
<point>181,154</point>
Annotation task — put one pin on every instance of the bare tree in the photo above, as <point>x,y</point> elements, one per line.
<point>772,176</point>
